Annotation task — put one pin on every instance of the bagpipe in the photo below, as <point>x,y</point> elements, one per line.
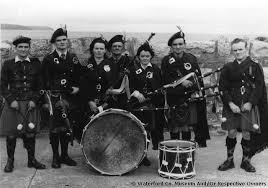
<point>61,105</point>
<point>123,75</point>
<point>195,93</point>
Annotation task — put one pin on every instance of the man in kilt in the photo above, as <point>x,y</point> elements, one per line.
<point>61,74</point>
<point>244,102</point>
<point>20,84</point>
<point>184,116</point>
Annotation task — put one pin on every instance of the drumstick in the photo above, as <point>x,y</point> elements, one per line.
<point>25,120</point>
<point>255,126</point>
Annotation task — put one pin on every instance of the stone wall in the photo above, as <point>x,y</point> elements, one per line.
<point>210,54</point>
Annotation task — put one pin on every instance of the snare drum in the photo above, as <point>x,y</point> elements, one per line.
<point>176,159</point>
<point>114,142</point>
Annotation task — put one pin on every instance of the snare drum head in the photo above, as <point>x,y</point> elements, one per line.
<point>114,142</point>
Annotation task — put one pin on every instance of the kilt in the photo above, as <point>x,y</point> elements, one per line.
<point>10,119</point>
<point>241,122</point>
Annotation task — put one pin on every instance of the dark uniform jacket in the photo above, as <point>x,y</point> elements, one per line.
<point>173,69</point>
<point>240,83</point>
<point>147,81</point>
<point>21,81</point>
<point>120,68</point>
<point>236,77</point>
<point>96,79</point>
<point>59,76</point>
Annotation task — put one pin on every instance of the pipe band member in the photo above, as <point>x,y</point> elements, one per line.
<point>61,76</point>
<point>20,84</point>
<point>121,63</point>
<point>241,85</point>
<point>146,77</point>
<point>185,116</point>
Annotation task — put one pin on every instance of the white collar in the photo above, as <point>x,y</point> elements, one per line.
<point>148,65</point>
<point>17,59</point>
<point>60,53</point>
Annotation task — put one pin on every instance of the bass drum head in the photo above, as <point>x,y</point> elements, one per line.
<point>114,142</point>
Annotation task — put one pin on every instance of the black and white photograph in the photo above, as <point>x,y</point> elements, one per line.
<point>133,93</point>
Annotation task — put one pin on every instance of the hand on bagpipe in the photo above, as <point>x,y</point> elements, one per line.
<point>196,92</point>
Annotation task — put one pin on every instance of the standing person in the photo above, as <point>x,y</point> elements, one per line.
<point>97,76</point>
<point>144,78</point>
<point>20,84</point>
<point>61,77</point>
<point>175,66</point>
<point>121,63</point>
<point>242,87</point>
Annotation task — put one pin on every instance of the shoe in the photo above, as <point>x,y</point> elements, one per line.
<point>9,166</point>
<point>35,164</point>
<point>247,166</point>
<point>202,144</point>
<point>145,162</point>
<point>226,165</point>
<point>55,163</point>
<point>67,160</point>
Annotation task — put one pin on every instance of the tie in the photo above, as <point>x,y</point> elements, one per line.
<point>62,56</point>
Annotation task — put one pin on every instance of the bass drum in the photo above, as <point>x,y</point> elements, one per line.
<point>114,142</point>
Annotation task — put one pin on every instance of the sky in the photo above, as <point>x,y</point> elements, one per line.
<point>194,16</point>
